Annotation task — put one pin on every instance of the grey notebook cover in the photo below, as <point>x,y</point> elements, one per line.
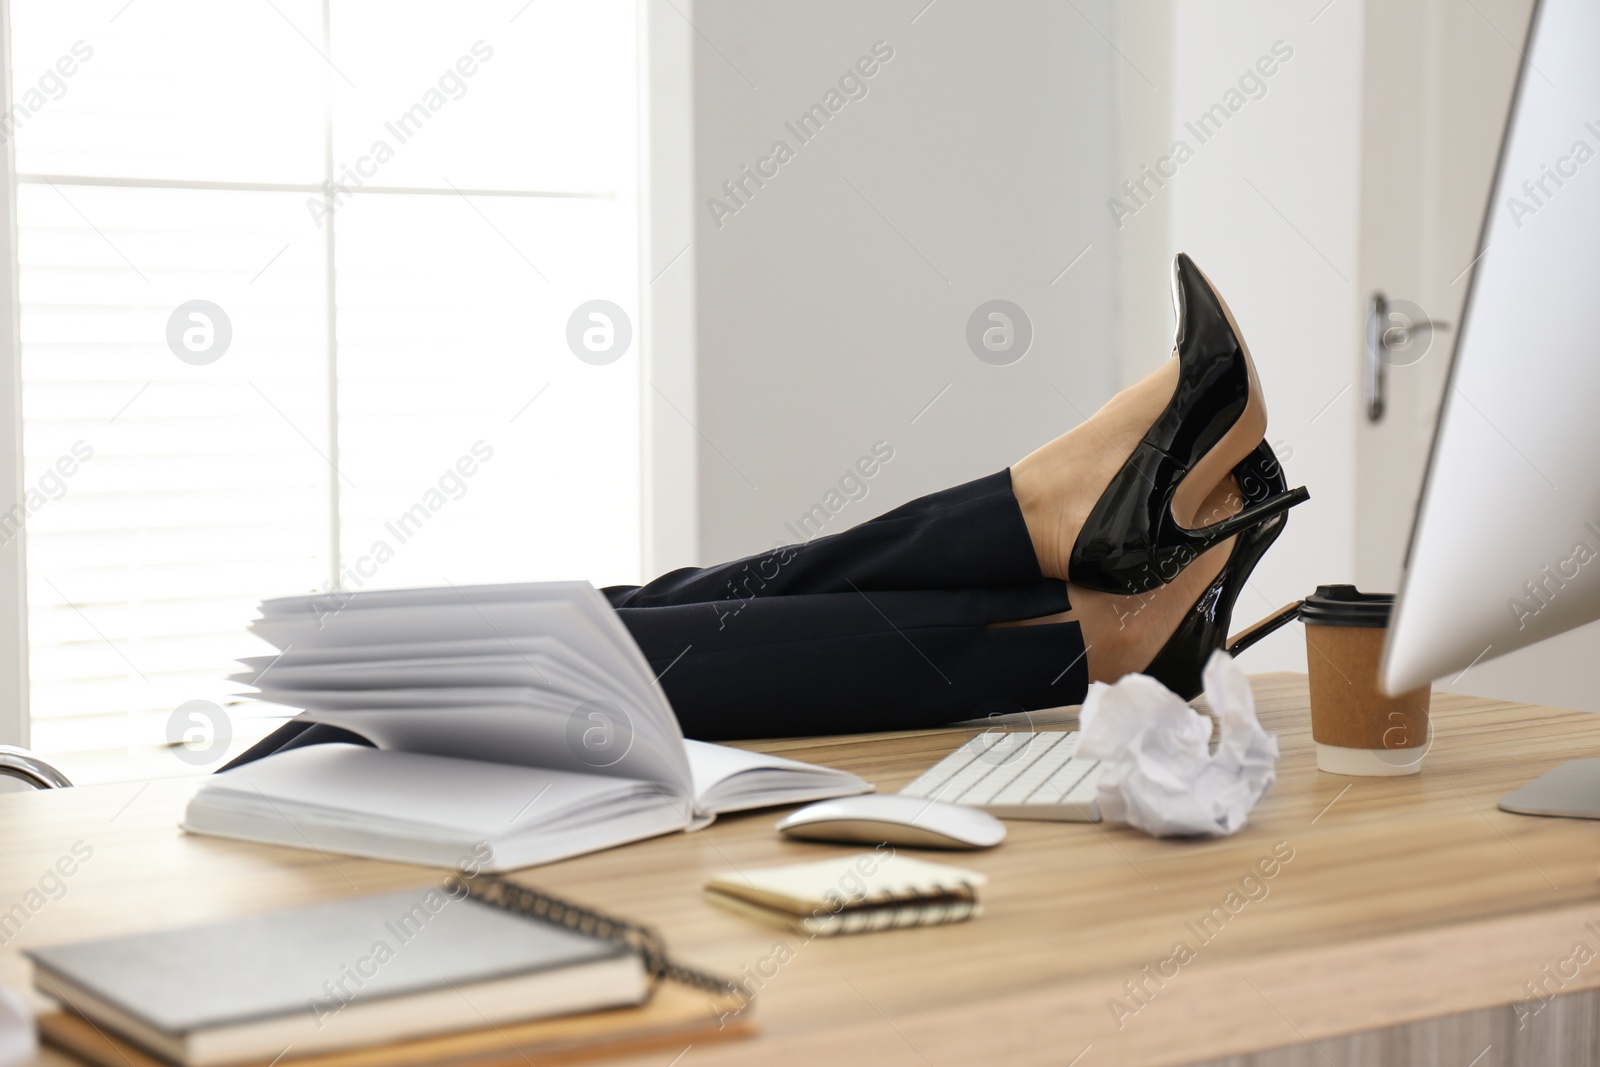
<point>198,977</point>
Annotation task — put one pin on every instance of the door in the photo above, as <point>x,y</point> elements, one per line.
<point>1437,86</point>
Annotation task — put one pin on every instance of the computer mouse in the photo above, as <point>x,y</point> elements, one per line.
<point>887,818</point>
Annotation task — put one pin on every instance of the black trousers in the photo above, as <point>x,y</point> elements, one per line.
<point>885,626</point>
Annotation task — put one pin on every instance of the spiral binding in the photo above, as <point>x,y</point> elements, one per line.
<point>533,904</point>
<point>887,910</point>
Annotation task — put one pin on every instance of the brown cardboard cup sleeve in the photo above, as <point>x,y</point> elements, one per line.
<point>1359,730</point>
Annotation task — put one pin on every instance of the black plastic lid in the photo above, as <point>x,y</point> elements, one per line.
<point>1345,605</point>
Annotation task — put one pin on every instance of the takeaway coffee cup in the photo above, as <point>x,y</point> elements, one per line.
<point>1358,730</point>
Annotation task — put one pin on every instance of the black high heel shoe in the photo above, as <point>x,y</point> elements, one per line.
<point>1205,628</point>
<point>1137,537</point>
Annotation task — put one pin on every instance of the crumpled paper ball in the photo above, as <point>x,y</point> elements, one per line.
<point>1159,772</point>
<point>19,1042</point>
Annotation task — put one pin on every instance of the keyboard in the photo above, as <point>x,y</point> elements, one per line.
<point>1017,775</point>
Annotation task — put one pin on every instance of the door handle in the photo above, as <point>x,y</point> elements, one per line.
<point>1390,330</point>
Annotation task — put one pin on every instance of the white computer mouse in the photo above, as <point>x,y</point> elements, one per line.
<point>879,818</point>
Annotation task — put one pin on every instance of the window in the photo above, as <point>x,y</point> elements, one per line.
<point>304,291</point>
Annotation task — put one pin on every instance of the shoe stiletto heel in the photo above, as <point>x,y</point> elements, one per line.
<point>1205,628</point>
<point>1272,623</point>
<point>1138,537</point>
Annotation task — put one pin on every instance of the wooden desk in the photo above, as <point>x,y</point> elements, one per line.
<point>1411,916</point>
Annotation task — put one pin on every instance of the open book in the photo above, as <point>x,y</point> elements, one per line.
<point>514,724</point>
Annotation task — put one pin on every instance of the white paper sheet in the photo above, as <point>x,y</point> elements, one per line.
<point>1160,774</point>
<point>735,779</point>
<point>519,734</point>
<point>423,794</point>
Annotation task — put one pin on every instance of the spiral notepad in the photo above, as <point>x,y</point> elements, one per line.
<point>852,894</point>
<point>530,903</point>
<point>426,972</point>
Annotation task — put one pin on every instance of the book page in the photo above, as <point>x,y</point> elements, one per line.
<point>579,594</point>
<point>396,790</point>
<point>517,734</point>
<point>537,663</point>
<point>306,655</point>
<point>513,669</point>
<point>320,612</point>
<point>586,625</point>
<point>735,779</point>
<point>429,698</point>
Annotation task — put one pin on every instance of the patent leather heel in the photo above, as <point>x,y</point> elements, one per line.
<point>1254,515</point>
<point>1137,536</point>
<point>1204,629</point>
<point>1271,624</point>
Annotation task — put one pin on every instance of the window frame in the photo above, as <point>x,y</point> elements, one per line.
<point>668,441</point>
<point>15,715</point>
<point>669,381</point>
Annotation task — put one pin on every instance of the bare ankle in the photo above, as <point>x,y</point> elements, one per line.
<point>1039,514</point>
<point>1058,484</point>
<point>1112,626</point>
<point>1123,634</point>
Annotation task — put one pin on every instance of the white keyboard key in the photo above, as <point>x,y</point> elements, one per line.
<point>1005,770</point>
<point>1037,772</point>
<point>930,780</point>
<point>975,771</point>
<point>1070,774</point>
<point>1088,787</point>
<point>1016,771</point>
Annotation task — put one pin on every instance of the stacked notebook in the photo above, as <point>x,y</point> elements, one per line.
<point>430,974</point>
<point>853,894</point>
<point>514,725</point>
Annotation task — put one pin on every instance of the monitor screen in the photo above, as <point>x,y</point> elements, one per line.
<point>1505,548</point>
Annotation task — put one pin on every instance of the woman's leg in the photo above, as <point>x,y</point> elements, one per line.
<point>785,666</point>
<point>1012,528</point>
<point>971,536</point>
<point>858,662</point>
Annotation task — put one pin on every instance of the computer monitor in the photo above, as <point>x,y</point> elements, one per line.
<point>1505,548</point>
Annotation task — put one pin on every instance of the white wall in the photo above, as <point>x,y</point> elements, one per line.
<point>1144,298</point>
<point>1268,205</point>
<point>832,307</point>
